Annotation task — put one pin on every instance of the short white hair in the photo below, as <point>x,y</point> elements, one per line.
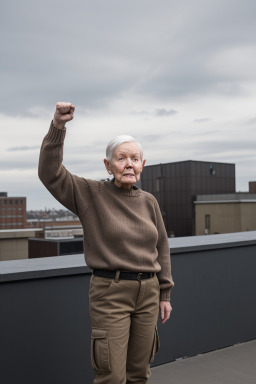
<point>118,140</point>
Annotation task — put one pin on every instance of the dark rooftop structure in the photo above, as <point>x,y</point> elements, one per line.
<point>175,186</point>
<point>54,247</point>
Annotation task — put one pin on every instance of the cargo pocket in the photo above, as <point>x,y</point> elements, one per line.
<point>156,345</point>
<point>100,350</point>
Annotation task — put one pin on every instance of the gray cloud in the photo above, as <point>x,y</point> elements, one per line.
<point>157,112</point>
<point>23,148</point>
<point>138,113</point>
<point>158,56</point>
<point>165,112</point>
<point>78,159</point>
<point>150,138</point>
<point>81,167</point>
<point>237,148</point>
<point>18,165</point>
<point>203,120</point>
<point>163,49</point>
<point>252,121</point>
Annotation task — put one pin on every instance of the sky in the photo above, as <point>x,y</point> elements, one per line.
<point>179,76</point>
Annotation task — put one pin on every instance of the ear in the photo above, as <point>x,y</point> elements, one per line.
<point>108,167</point>
<point>142,165</point>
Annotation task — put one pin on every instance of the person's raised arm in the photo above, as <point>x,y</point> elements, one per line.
<point>64,186</point>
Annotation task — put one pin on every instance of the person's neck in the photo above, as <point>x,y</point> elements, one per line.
<point>128,187</point>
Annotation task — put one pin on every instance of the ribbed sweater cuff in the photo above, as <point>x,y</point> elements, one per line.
<point>165,294</point>
<point>55,135</point>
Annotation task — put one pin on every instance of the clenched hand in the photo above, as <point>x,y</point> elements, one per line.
<point>64,112</point>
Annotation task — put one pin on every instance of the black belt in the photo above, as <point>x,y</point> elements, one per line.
<point>123,275</point>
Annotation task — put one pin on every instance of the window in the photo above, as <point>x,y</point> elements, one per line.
<point>207,225</point>
<point>212,170</point>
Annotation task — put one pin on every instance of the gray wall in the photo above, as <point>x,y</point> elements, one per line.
<point>45,325</point>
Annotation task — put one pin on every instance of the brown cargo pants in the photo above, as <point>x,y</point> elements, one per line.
<point>124,336</point>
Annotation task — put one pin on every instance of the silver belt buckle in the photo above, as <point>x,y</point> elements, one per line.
<point>139,276</point>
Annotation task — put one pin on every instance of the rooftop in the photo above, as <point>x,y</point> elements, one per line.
<point>238,197</point>
<point>18,233</point>
<point>210,337</point>
<point>232,365</point>
<point>235,239</point>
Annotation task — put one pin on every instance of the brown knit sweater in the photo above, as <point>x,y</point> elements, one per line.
<point>123,229</point>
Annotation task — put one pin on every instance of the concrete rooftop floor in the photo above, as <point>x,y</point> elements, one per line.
<point>232,365</point>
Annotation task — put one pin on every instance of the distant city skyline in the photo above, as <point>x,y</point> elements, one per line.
<point>178,76</point>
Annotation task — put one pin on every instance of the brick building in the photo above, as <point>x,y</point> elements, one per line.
<point>12,212</point>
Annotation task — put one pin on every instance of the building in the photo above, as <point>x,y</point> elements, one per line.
<point>225,213</point>
<point>12,212</point>
<point>57,227</point>
<point>38,247</point>
<point>56,223</point>
<point>252,186</point>
<point>176,185</point>
<point>14,243</point>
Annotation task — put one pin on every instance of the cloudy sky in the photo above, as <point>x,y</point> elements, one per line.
<point>178,75</point>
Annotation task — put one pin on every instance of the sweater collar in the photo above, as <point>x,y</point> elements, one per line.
<point>134,191</point>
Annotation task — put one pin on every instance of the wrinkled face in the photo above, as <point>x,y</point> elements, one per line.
<point>126,165</point>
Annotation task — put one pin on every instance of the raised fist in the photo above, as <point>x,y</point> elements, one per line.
<point>64,113</point>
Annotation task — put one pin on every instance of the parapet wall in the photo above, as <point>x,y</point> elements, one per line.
<point>45,324</point>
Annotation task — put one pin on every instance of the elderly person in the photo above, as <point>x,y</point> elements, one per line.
<point>126,246</point>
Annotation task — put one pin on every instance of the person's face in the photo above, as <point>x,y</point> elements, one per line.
<point>126,165</point>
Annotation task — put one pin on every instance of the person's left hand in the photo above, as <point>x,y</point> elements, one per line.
<point>165,310</point>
